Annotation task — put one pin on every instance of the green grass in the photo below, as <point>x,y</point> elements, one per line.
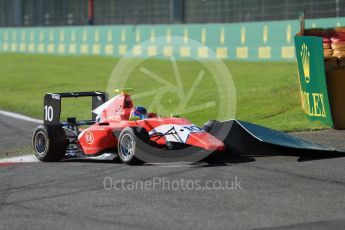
<point>267,93</point>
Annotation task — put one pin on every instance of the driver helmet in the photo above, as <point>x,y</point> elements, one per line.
<point>140,112</point>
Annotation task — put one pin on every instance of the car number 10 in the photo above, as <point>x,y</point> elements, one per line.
<point>48,111</point>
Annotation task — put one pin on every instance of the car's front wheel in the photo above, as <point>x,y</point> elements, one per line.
<point>127,144</point>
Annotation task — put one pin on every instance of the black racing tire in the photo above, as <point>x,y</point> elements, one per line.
<point>128,142</point>
<point>49,143</point>
<point>142,134</point>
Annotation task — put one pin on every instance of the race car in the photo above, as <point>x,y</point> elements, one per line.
<point>120,130</point>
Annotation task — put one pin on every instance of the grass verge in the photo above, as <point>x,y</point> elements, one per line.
<point>267,93</point>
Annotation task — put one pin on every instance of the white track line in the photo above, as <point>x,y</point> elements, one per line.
<point>19,159</point>
<point>24,158</point>
<point>19,116</point>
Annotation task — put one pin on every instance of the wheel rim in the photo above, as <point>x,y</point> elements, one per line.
<point>40,143</point>
<point>126,147</point>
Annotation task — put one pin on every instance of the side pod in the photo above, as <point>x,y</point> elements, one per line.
<point>247,138</point>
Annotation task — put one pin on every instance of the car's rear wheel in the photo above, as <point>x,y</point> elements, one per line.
<point>49,143</point>
<point>127,144</point>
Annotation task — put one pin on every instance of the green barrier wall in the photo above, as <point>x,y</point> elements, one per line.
<point>238,41</point>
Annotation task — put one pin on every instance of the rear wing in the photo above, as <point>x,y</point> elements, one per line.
<point>52,104</point>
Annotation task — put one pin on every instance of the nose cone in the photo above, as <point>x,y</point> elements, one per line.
<point>206,141</point>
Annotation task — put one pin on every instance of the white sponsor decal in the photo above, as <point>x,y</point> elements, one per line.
<point>89,137</point>
<point>176,133</point>
<point>56,96</point>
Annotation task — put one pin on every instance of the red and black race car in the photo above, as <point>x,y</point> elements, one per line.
<point>119,130</point>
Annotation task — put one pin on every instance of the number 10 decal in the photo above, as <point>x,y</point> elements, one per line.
<point>193,128</point>
<point>48,113</point>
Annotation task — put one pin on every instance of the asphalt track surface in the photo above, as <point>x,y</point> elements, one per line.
<point>272,192</point>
